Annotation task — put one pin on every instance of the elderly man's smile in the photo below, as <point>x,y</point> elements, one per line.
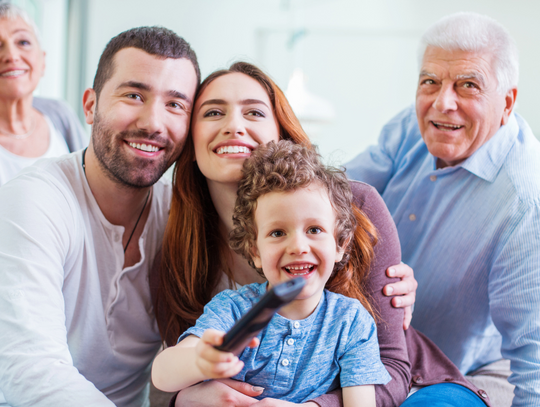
<point>446,126</point>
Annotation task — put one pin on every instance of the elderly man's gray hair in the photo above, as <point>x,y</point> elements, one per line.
<point>11,11</point>
<point>476,33</point>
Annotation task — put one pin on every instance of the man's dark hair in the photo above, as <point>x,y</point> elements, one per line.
<point>158,41</point>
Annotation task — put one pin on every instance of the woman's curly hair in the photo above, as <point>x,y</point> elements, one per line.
<point>285,166</point>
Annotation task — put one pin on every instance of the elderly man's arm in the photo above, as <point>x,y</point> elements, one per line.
<point>514,296</point>
<point>36,367</point>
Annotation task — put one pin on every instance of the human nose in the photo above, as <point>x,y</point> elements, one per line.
<point>446,99</point>
<point>234,125</point>
<point>151,118</point>
<point>298,244</point>
<point>9,52</point>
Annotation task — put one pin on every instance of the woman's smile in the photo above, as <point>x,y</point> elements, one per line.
<point>234,149</point>
<point>232,116</point>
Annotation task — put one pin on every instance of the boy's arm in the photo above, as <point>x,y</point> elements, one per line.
<point>194,360</point>
<point>175,368</point>
<point>359,396</point>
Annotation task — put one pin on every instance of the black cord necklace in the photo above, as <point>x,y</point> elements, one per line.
<point>140,214</point>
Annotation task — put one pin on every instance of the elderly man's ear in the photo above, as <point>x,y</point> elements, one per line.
<point>510,99</point>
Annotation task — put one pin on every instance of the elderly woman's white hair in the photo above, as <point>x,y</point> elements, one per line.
<point>476,33</point>
<point>11,11</point>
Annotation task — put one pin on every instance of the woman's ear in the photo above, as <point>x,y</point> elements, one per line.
<point>340,251</point>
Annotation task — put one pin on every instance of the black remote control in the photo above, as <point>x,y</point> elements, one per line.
<point>259,316</point>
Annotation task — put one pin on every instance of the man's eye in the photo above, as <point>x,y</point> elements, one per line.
<point>277,233</point>
<point>176,105</point>
<point>470,85</point>
<point>314,230</point>
<point>24,42</point>
<point>134,96</point>
<point>428,82</point>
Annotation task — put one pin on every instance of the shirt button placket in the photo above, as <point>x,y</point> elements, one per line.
<point>288,355</point>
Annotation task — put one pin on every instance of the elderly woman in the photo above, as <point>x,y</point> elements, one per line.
<point>30,128</point>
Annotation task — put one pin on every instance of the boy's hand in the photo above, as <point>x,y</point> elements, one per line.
<point>213,363</point>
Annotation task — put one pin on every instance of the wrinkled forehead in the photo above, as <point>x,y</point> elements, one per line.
<point>458,64</point>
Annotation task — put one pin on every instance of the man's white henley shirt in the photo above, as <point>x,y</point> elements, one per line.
<point>76,328</point>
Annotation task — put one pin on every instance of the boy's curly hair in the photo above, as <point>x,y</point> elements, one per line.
<point>285,166</point>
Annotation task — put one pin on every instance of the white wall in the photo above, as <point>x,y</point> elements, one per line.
<point>358,54</point>
<point>52,23</point>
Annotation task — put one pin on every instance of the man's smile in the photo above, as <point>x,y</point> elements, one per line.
<point>144,147</point>
<point>446,126</point>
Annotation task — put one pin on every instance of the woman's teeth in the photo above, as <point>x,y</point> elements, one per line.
<point>144,147</point>
<point>13,73</point>
<point>233,150</point>
<point>299,270</point>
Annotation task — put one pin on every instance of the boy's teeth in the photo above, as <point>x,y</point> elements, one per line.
<point>144,147</point>
<point>299,270</point>
<point>297,267</point>
<point>233,150</point>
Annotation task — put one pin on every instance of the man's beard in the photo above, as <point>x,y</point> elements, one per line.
<point>132,172</point>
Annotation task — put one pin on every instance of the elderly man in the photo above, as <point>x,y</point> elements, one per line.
<point>79,235</point>
<point>460,175</point>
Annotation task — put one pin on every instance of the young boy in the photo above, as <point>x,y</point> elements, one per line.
<point>293,217</point>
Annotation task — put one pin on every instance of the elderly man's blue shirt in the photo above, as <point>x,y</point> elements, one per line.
<point>472,234</point>
<point>336,346</point>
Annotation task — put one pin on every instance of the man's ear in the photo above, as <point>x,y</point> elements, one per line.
<point>89,105</point>
<point>510,100</point>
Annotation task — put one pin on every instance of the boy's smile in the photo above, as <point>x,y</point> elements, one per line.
<point>296,237</point>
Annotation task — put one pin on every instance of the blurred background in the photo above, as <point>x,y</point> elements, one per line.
<point>348,66</point>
